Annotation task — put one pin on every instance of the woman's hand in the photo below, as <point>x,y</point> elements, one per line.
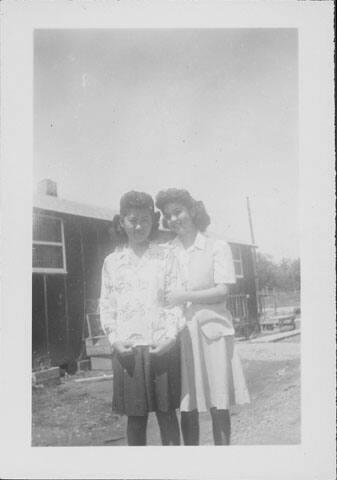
<point>176,297</point>
<point>123,348</point>
<point>162,347</point>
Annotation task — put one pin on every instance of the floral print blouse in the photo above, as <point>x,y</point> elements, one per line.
<point>131,302</point>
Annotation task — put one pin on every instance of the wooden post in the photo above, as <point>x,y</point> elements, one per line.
<point>254,260</point>
<point>84,293</point>
<point>83,271</point>
<point>66,312</point>
<point>250,222</point>
<point>46,318</point>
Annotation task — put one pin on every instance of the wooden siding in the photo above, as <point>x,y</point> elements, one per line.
<point>87,242</point>
<point>246,285</point>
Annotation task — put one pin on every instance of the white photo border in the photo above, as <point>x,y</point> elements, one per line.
<point>314,458</point>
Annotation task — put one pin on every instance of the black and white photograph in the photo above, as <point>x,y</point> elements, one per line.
<point>177,278</point>
<point>166,262</point>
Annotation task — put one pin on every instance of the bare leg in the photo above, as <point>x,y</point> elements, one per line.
<point>169,427</point>
<point>221,426</point>
<point>190,427</point>
<point>136,430</point>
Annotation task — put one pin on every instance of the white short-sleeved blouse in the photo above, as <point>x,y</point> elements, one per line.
<point>222,262</point>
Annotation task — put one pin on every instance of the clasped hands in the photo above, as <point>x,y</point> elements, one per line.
<point>127,348</point>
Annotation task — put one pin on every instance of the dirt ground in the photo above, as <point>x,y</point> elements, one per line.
<point>75,414</point>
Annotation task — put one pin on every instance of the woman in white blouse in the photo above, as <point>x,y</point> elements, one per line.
<point>140,328</point>
<point>212,377</point>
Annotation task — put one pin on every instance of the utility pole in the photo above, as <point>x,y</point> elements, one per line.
<point>250,222</point>
<point>254,259</point>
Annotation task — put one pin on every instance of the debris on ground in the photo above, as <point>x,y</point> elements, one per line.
<point>79,413</point>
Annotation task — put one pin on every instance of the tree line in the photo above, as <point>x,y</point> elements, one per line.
<point>284,275</point>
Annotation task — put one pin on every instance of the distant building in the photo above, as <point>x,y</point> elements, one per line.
<point>70,242</point>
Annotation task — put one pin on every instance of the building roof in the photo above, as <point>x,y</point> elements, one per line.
<point>240,242</point>
<point>55,204</point>
<point>228,239</point>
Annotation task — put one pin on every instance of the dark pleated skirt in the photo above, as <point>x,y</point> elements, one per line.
<point>144,382</point>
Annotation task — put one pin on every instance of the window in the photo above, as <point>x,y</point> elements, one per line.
<point>48,245</point>
<point>236,253</point>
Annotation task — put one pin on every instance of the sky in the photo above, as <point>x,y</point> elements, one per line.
<point>214,111</point>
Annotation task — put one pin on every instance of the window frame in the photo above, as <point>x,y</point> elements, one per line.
<point>238,261</point>
<point>47,270</point>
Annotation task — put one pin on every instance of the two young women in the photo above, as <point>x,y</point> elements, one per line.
<point>163,309</point>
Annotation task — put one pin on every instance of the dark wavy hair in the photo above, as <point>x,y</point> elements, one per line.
<point>197,209</point>
<point>130,200</point>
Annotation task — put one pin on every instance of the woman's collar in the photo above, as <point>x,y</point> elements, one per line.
<point>199,243</point>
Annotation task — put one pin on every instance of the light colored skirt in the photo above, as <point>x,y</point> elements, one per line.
<point>211,372</point>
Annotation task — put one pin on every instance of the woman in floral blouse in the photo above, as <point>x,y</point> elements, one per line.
<point>140,328</point>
